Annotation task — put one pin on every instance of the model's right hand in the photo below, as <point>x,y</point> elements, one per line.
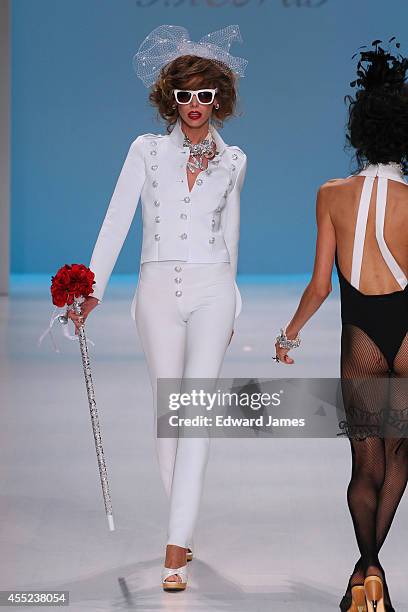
<point>282,353</point>
<point>87,305</point>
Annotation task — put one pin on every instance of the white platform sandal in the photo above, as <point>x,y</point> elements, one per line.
<point>190,550</point>
<point>174,585</point>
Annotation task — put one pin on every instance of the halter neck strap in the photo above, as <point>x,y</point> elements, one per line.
<point>382,172</point>
<point>391,171</point>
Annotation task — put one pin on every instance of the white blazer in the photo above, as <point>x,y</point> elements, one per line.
<point>201,226</point>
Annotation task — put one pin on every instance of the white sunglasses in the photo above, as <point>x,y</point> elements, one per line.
<point>204,96</point>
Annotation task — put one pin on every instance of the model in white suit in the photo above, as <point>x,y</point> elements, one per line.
<point>201,226</point>
<point>187,297</point>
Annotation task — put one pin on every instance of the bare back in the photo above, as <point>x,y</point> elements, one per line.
<point>374,275</point>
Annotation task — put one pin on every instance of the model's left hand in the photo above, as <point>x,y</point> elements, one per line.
<point>282,353</point>
<point>232,333</point>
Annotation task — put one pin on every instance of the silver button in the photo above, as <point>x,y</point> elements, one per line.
<point>154,167</point>
<point>157,219</point>
<point>187,199</point>
<point>211,240</point>
<point>153,143</point>
<point>199,182</point>
<point>154,152</point>
<point>208,172</point>
<point>213,222</point>
<point>156,203</point>
<point>155,183</point>
<point>183,216</point>
<point>183,236</point>
<point>235,156</point>
<point>178,268</point>
<point>232,167</point>
<point>179,293</point>
<point>157,236</point>
<point>177,280</point>
<point>218,209</point>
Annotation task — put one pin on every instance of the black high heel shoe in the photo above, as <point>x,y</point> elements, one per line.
<point>374,592</point>
<point>387,602</point>
<point>359,602</point>
<point>347,600</point>
<point>386,596</point>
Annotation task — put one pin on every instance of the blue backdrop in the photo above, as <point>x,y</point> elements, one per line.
<point>77,105</point>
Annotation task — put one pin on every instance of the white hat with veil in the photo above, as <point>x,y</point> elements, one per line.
<point>167,42</point>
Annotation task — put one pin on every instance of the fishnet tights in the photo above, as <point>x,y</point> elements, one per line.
<point>379,464</point>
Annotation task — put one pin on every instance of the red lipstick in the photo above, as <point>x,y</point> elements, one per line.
<point>194,115</point>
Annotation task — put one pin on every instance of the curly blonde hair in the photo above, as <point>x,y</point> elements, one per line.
<point>191,71</point>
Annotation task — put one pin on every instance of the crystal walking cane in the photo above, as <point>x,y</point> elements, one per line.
<point>70,287</point>
<point>76,306</point>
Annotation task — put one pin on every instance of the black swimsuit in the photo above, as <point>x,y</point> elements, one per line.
<point>383,317</point>
<point>373,329</point>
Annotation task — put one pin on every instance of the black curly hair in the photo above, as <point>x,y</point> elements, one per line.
<point>377,126</point>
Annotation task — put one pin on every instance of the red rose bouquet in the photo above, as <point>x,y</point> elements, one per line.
<point>70,286</point>
<point>71,282</point>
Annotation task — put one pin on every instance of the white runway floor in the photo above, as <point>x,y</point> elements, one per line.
<point>274,531</point>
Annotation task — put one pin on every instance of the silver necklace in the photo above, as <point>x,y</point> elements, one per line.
<point>199,151</point>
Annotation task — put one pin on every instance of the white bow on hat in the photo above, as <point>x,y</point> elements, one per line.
<point>167,42</point>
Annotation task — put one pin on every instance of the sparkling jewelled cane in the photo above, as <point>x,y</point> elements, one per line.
<point>71,285</point>
<point>76,306</point>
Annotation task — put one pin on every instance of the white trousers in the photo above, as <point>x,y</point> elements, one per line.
<point>184,316</point>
